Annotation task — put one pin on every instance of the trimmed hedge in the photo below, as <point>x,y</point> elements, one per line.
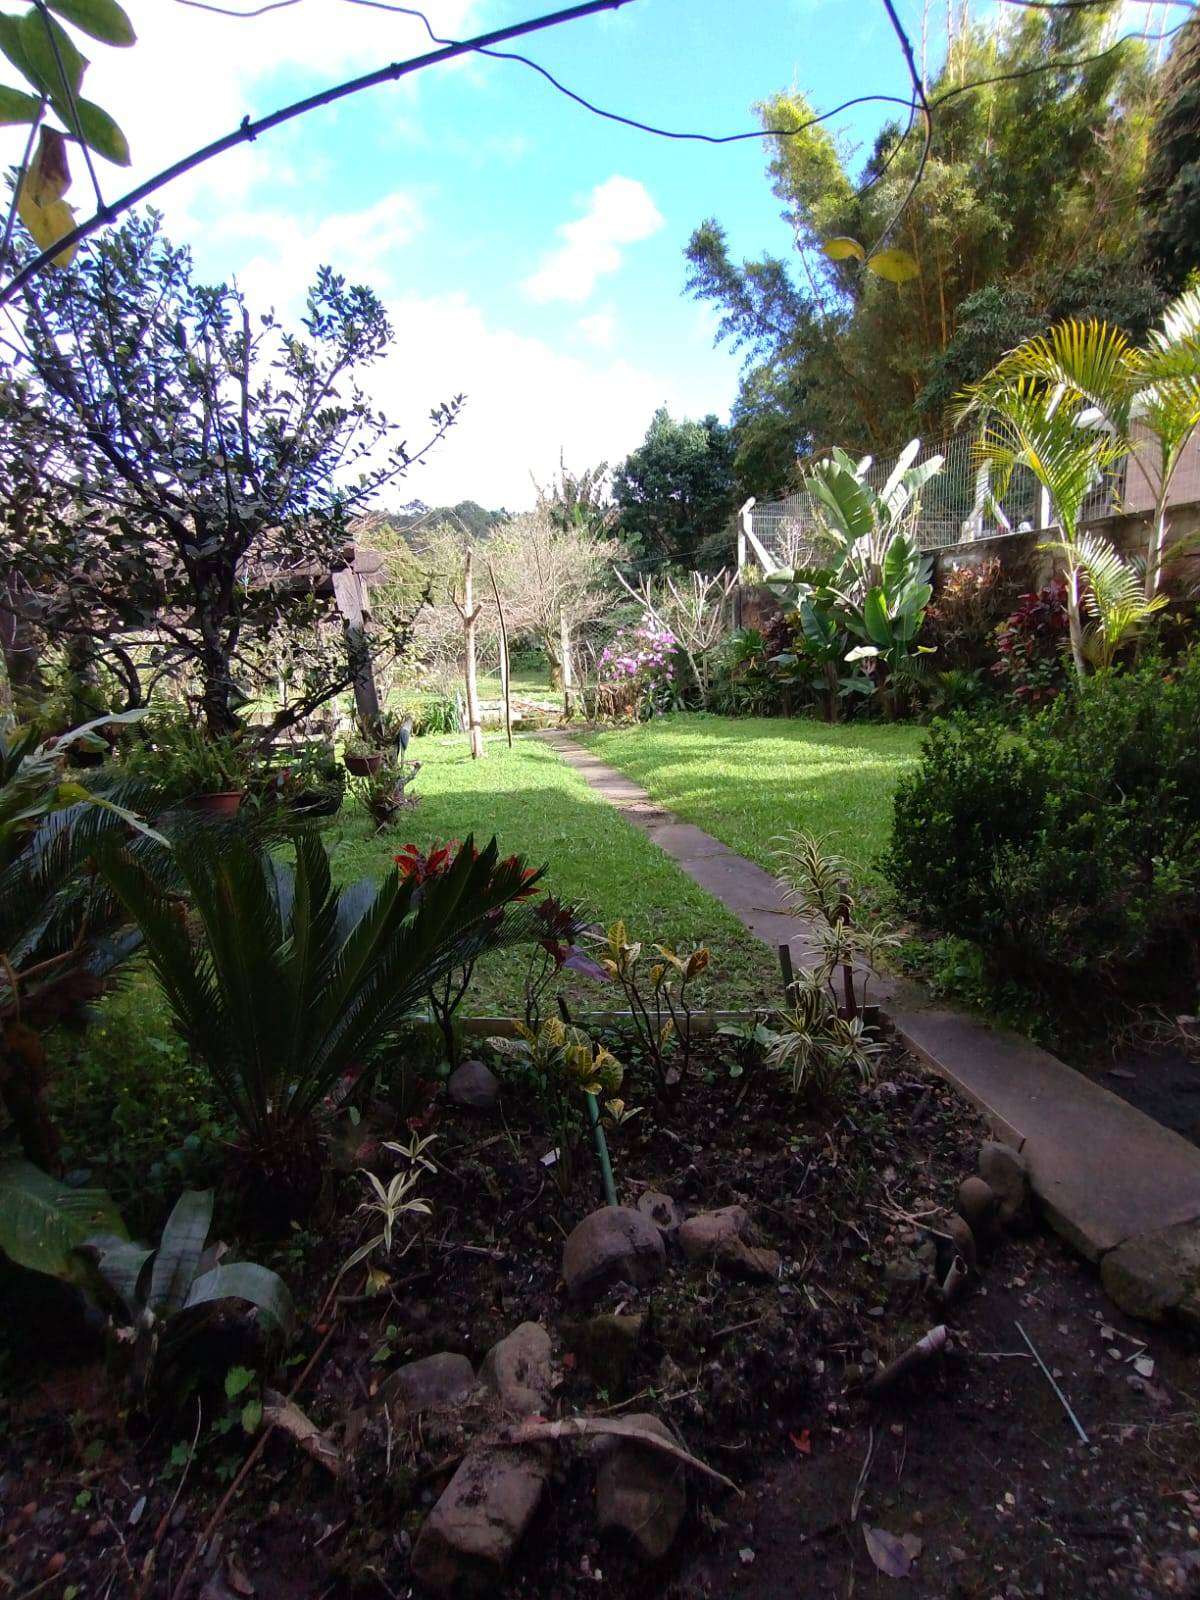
<point>1070,843</point>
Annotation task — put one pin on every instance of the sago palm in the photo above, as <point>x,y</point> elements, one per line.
<point>287,989</point>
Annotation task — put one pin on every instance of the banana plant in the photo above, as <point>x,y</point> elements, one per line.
<point>163,1298</point>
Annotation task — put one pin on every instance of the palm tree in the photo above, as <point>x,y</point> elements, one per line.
<point>1111,385</point>
<point>1028,424</point>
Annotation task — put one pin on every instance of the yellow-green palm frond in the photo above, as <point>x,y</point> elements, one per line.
<point>1086,362</point>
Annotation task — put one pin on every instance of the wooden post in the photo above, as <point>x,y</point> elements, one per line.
<point>568,678</point>
<point>469,612</point>
<point>349,597</point>
<point>505,673</point>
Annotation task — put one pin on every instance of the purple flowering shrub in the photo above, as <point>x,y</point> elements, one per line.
<point>637,669</point>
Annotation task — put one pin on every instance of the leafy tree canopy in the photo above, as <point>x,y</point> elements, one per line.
<point>1028,180</point>
<point>676,491</point>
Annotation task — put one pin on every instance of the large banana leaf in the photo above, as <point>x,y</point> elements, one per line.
<point>43,1221</point>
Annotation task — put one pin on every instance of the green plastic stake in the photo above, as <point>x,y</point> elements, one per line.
<point>606,1172</point>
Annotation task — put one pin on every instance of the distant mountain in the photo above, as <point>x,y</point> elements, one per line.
<point>417,516</point>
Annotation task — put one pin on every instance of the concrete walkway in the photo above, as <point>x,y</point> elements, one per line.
<point>1119,1187</point>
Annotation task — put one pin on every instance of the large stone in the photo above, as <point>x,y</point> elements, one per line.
<point>1157,1275</point>
<point>613,1245</point>
<point>429,1384</point>
<point>475,1086</point>
<point>1006,1173</point>
<point>979,1205</point>
<point>469,1537</point>
<point>962,1238</point>
<point>642,1491</point>
<point>660,1208</point>
<point>723,1238</point>
<point>520,1371</point>
<point>701,1236</point>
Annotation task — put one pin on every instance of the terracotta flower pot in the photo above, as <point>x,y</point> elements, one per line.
<point>224,803</point>
<point>364,766</point>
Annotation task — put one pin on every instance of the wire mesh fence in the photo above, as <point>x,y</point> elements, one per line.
<point>958,505</point>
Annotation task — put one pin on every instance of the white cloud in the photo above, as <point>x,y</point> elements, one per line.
<point>192,76</point>
<point>599,330</point>
<point>526,403</point>
<point>361,245</point>
<point>620,212</point>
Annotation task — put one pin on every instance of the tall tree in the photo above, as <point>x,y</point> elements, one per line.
<point>676,490</point>
<point>183,467</point>
<point>1172,189</point>
<point>1026,178</point>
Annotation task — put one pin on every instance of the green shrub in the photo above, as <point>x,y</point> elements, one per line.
<point>1071,843</point>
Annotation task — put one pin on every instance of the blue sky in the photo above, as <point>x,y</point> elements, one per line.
<point>531,254</point>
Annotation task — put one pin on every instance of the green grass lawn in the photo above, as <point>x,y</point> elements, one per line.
<point>748,779</point>
<point>538,807</point>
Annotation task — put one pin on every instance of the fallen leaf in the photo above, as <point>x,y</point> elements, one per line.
<point>1144,1367</point>
<point>802,1441</point>
<point>284,1414</point>
<point>893,1556</point>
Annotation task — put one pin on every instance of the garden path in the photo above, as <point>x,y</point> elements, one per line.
<point>1119,1187</point>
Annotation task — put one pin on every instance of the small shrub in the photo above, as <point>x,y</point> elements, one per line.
<point>1033,646</point>
<point>971,602</point>
<point>1072,844</point>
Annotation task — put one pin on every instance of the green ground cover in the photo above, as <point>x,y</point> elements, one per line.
<point>747,780</point>
<point>538,807</point>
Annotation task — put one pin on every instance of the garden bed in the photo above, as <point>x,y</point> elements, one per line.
<point>973,1456</point>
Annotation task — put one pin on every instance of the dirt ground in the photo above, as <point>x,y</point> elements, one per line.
<point>973,1460</point>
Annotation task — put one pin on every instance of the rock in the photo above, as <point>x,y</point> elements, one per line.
<point>428,1384</point>
<point>642,1491</point>
<point>606,1346</point>
<point>979,1205</point>
<point>742,1260</point>
<point>904,1272</point>
<point>519,1369</point>
<point>1157,1275</point>
<point>1005,1171</point>
<point>723,1237</point>
<point>613,1245</point>
<point>700,1236</point>
<point>475,1086</point>
<point>469,1537</point>
<point>661,1209</point>
<point>963,1239</point>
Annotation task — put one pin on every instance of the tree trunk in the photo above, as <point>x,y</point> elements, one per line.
<point>470,615</point>
<point>505,666</point>
<point>565,657</point>
<point>22,1064</point>
<point>348,595</point>
<point>1076,622</point>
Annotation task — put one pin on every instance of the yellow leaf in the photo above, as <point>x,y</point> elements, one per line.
<point>897,266</point>
<point>48,219</point>
<point>697,961</point>
<point>844,248</point>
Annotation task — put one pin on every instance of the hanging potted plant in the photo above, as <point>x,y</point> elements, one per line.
<point>362,756</point>
<point>208,774</point>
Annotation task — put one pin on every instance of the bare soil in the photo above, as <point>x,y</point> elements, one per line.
<point>974,1456</point>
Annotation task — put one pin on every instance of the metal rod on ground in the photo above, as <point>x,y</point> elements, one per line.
<point>1066,1404</point>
